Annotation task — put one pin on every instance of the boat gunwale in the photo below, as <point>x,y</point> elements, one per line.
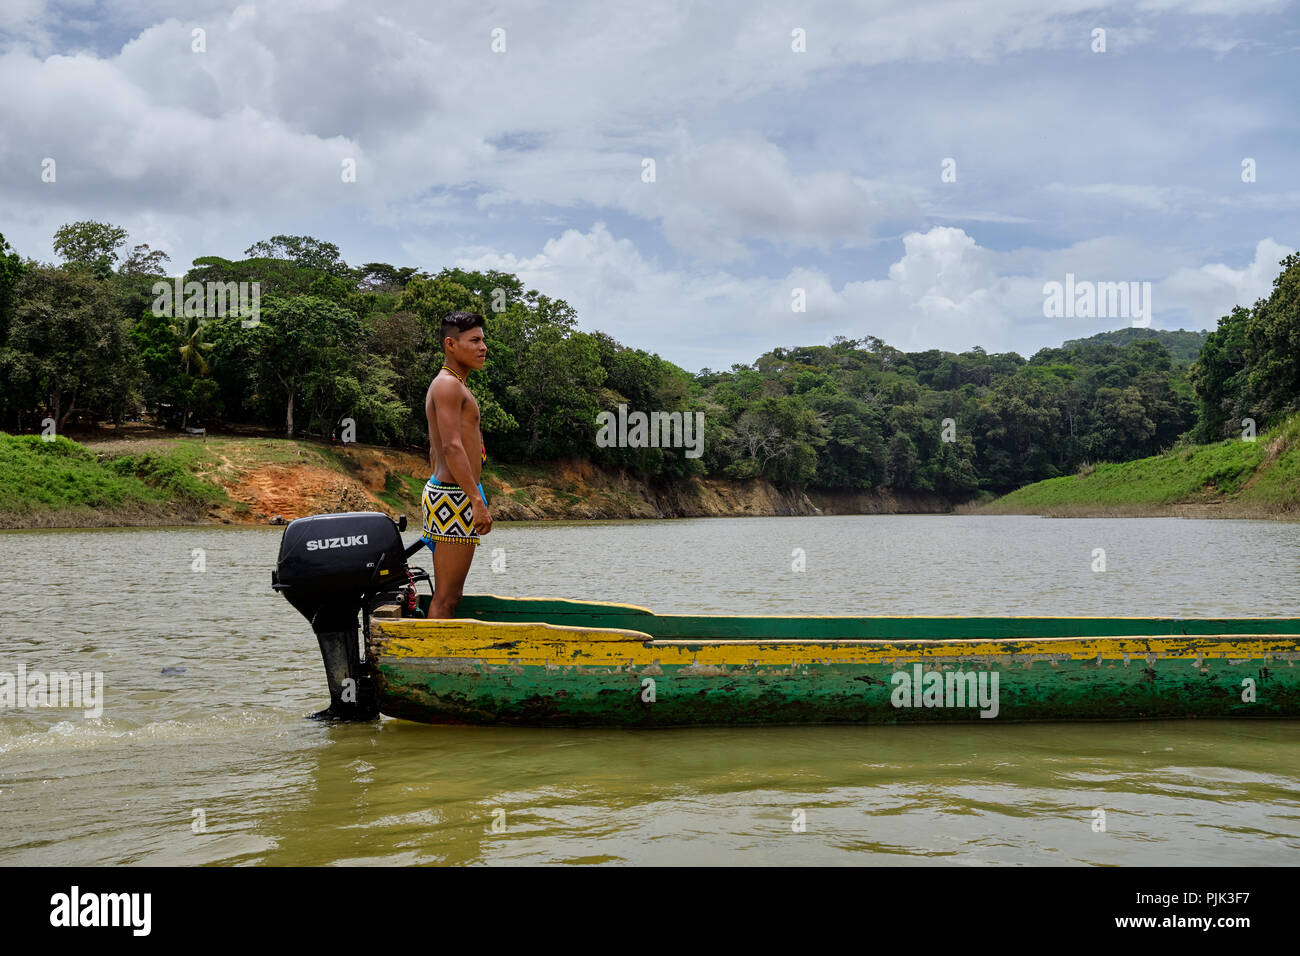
<point>874,617</point>
<point>1294,638</point>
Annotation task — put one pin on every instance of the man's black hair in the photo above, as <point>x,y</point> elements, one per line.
<point>458,322</point>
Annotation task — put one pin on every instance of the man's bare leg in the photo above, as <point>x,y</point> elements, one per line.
<point>451,561</point>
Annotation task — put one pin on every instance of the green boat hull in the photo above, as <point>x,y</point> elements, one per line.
<point>549,662</point>
<point>821,695</point>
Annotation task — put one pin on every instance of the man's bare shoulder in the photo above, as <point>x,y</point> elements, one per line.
<point>445,388</point>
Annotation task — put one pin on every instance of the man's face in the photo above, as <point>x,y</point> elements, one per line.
<point>469,349</point>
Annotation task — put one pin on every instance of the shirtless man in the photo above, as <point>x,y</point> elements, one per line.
<point>455,511</point>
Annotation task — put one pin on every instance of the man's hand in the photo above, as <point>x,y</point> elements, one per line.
<point>482,517</point>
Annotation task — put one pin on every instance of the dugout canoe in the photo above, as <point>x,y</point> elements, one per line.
<point>549,661</point>
<point>555,662</point>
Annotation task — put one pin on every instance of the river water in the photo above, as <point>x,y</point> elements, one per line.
<point>213,761</point>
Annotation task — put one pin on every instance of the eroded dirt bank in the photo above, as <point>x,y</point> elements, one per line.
<point>265,480</point>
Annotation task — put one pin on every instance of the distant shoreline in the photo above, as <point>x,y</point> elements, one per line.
<point>145,477</point>
<point>106,522</point>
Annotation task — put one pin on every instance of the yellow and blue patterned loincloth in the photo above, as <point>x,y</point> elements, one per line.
<point>448,514</point>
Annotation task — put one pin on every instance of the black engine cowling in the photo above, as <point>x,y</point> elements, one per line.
<point>331,568</point>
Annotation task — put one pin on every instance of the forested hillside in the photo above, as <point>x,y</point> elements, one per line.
<point>91,340</point>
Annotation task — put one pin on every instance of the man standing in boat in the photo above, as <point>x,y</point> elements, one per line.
<point>455,510</point>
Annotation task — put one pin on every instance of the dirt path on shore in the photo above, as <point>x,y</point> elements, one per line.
<point>324,479</point>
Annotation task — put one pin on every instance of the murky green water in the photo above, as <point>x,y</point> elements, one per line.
<point>225,741</point>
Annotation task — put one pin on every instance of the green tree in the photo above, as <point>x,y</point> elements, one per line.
<point>90,244</point>
<point>11,270</point>
<point>289,356</point>
<point>1124,427</point>
<point>777,438</point>
<point>900,461</point>
<point>274,276</point>
<point>952,470</point>
<point>854,454</point>
<point>175,359</point>
<point>1149,354</point>
<point>433,298</point>
<point>68,348</point>
<point>404,342</point>
<point>1015,427</point>
<point>1219,378</point>
<point>303,251</point>
<point>1273,351</point>
<point>381,277</point>
<point>359,387</point>
<point>143,261</point>
<point>430,299</point>
<point>646,383</point>
<point>555,378</point>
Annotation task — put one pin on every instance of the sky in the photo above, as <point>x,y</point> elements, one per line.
<point>702,181</point>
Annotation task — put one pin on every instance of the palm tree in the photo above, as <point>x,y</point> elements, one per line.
<point>192,349</point>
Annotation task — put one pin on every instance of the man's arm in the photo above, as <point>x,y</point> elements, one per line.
<point>429,414</point>
<point>447,397</point>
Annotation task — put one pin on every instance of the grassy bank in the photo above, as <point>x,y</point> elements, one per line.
<point>152,477</point>
<point>61,483</point>
<point>1234,478</point>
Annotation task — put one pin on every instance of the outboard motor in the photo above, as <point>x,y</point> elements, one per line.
<point>332,567</point>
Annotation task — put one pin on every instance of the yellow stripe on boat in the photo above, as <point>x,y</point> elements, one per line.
<point>494,643</point>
